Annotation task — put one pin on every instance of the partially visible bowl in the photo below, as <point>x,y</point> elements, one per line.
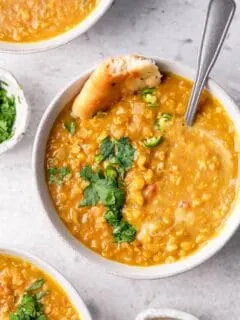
<point>83,26</point>
<point>157,271</point>
<point>22,110</point>
<point>164,314</point>
<point>67,287</point>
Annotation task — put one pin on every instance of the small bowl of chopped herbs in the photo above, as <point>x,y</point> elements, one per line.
<point>14,111</point>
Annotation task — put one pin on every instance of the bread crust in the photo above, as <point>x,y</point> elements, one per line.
<point>111,80</point>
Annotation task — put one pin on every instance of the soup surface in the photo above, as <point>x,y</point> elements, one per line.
<point>34,20</point>
<point>22,282</point>
<point>179,188</point>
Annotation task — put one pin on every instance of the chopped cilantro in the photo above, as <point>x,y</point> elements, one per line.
<point>36,285</point>
<point>30,307</point>
<point>101,189</point>
<point>7,113</point>
<point>70,126</point>
<point>113,217</point>
<point>123,232</point>
<point>106,149</point>
<point>107,187</point>
<point>58,175</point>
<point>118,152</point>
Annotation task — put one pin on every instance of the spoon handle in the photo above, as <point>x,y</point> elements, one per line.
<point>218,20</point>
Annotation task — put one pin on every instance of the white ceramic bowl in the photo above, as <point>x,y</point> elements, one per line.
<point>68,288</point>
<point>22,110</point>
<point>158,271</point>
<point>61,39</point>
<point>164,314</point>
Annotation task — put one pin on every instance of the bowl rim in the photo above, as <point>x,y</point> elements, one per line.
<point>24,115</point>
<point>57,276</point>
<point>173,314</point>
<point>116,268</point>
<point>61,39</point>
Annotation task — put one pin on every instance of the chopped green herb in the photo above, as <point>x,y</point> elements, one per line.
<point>124,153</point>
<point>117,152</point>
<point>30,307</point>
<point>107,187</point>
<point>161,121</point>
<point>149,97</point>
<point>36,285</point>
<point>58,175</point>
<point>123,232</point>
<point>113,217</point>
<point>101,189</point>
<point>7,113</point>
<point>89,175</point>
<point>106,149</point>
<point>152,142</point>
<point>70,126</point>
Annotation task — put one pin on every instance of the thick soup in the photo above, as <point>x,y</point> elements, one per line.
<point>26,292</point>
<point>34,20</point>
<point>135,184</point>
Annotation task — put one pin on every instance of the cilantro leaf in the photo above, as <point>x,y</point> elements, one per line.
<point>113,217</point>
<point>106,149</point>
<point>58,175</point>
<point>91,197</point>
<point>70,126</point>
<point>30,307</point>
<point>36,285</point>
<point>7,114</point>
<point>107,187</point>
<point>125,153</point>
<point>87,174</point>
<point>123,232</point>
<point>118,152</point>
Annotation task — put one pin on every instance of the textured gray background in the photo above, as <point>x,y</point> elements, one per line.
<point>168,28</point>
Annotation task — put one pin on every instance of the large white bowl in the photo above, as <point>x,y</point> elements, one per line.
<point>61,39</point>
<point>67,287</point>
<point>158,271</point>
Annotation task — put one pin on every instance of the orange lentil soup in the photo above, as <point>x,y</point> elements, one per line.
<point>34,20</point>
<point>179,190</point>
<point>16,276</point>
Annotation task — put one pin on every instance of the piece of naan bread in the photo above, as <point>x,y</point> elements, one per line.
<point>111,80</point>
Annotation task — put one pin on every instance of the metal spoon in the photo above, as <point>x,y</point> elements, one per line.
<point>218,20</point>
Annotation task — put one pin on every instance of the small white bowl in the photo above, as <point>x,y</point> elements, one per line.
<point>22,110</point>
<point>56,275</point>
<point>164,314</point>
<point>61,39</point>
<point>152,272</point>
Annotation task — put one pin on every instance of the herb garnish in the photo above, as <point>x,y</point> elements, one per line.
<point>58,175</point>
<point>70,126</point>
<point>30,307</point>
<point>117,152</point>
<point>107,187</point>
<point>7,113</point>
